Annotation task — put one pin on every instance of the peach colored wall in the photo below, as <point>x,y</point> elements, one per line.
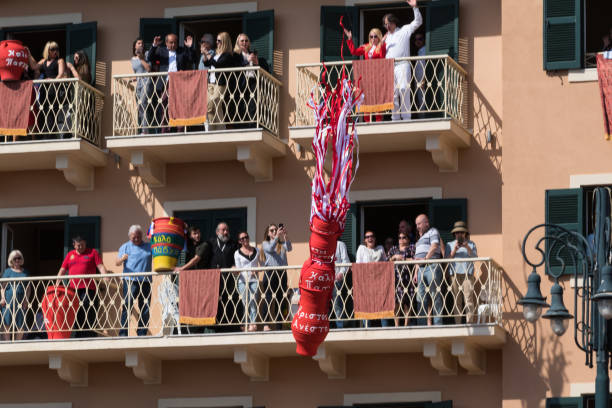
<point>294,382</point>
<point>552,129</point>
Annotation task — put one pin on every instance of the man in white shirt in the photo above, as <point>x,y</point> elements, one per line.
<point>397,41</point>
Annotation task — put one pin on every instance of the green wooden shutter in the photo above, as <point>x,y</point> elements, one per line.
<point>150,27</point>
<point>567,402</point>
<point>86,227</point>
<point>331,32</point>
<point>260,29</point>
<point>82,37</point>
<point>351,231</point>
<point>563,208</point>
<point>563,41</point>
<point>444,213</point>
<point>442,28</point>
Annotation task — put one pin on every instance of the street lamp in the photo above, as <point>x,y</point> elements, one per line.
<point>592,292</point>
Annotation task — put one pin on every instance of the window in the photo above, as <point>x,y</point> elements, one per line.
<point>259,26</point>
<point>70,37</point>
<point>383,217</point>
<point>573,31</point>
<point>440,24</point>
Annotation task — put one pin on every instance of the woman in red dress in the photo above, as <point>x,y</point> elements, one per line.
<point>375,48</point>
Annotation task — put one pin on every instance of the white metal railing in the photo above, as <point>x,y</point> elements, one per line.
<point>63,109</point>
<point>424,290</point>
<point>248,98</point>
<point>436,85</point>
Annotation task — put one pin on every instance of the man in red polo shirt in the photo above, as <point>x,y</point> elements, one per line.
<point>84,261</point>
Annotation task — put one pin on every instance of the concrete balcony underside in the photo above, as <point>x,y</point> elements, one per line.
<point>76,158</point>
<point>150,153</point>
<point>445,346</point>
<point>440,137</point>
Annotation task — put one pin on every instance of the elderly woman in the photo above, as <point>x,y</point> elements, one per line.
<point>275,247</point>
<point>223,58</point>
<point>135,256</point>
<point>247,256</point>
<point>13,303</point>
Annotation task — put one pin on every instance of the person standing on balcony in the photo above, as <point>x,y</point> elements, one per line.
<point>198,253</point>
<point>275,247</point>
<point>462,273</point>
<point>430,275</point>
<point>172,58</point>
<point>404,227</point>
<point>375,48</point>
<point>51,95</point>
<point>84,261</point>
<point>140,65</point>
<point>223,58</point>
<point>398,46</point>
<point>404,283</point>
<point>207,43</point>
<point>243,101</point>
<point>14,299</point>
<point>223,249</point>
<point>135,256</point>
<point>247,256</point>
<point>370,252</point>
<point>81,68</point>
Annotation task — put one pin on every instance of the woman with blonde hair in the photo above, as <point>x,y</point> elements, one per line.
<point>223,58</point>
<point>375,48</point>
<point>13,300</point>
<point>275,247</point>
<point>51,65</point>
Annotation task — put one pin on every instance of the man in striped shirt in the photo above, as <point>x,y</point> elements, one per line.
<point>430,275</point>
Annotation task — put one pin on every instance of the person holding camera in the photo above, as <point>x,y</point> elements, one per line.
<point>243,106</point>
<point>275,246</point>
<point>462,273</point>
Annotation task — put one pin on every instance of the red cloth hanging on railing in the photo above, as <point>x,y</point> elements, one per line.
<point>187,97</point>
<point>15,99</point>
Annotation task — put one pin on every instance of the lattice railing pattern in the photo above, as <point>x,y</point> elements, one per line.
<point>111,305</point>
<point>436,87</point>
<point>63,109</point>
<point>248,98</point>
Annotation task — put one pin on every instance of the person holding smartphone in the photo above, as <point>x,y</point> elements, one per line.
<point>462,273</point>
<point>275,246</point>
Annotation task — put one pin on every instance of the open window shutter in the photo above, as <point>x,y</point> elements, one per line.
<point>83,37</point>
<point>260,29</point>
<point>351,230</point>
<point>150,27</point>
<point>331,32</point>
<point>563,42</point>
<point>563,208</point>
<point>568,402</point>
<point>86,227</point>
<point>444,213</point>
<point>442,28</point>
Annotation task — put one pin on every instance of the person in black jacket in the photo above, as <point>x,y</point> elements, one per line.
<point>223,58</point>
<point>172,58</point>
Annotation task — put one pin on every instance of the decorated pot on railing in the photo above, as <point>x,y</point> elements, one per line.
<point>13,60</point>
<point>167,242</point>
<point>59,308</point>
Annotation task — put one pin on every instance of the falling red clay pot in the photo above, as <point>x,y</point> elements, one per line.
<point>13,60</point>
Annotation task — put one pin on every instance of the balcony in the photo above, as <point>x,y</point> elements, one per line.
<point>63,133</point>
<point>438,110</point>
<point>466,332</point>
<point>245,128</point>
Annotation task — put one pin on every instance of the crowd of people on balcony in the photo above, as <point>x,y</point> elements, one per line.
<point>259,300</point>
<point>230,98</point>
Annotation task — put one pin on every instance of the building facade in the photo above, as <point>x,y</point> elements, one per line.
<point>508,132</point>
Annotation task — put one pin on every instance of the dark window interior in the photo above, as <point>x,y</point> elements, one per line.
<point>213,25</point>
<point>372,18</point>
<point>35,39</point>
<point>383,218</point>
<point>598,20</point>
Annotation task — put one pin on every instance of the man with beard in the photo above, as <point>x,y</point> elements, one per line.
<point>223,249</point>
